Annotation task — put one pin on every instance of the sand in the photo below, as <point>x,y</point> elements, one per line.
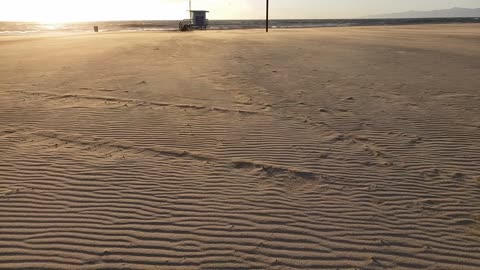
<point>338,148</point>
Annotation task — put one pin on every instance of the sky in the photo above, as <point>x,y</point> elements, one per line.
<point>94,10</point>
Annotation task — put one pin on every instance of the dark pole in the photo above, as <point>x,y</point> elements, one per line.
<point>267,17</point>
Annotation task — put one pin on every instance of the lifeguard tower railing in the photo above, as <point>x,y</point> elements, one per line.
<point>191,23</point>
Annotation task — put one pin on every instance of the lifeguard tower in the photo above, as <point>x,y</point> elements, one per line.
<point>198,20</point>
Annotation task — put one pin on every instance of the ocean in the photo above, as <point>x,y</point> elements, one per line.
<point>19,28</point>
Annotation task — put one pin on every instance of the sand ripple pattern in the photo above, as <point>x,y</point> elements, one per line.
<point>361,177</point>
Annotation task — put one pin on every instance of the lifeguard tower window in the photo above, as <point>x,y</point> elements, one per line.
<point>199,18</point>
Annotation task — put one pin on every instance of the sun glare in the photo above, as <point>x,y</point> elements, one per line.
<point>52,25</point>
<point>55,11</point>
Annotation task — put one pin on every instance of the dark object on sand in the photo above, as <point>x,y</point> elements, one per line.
<point>184,26</point>
<point>95,28</point>
<point>198,20</point>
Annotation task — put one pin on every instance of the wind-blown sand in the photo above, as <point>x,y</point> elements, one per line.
<point>339,148</point>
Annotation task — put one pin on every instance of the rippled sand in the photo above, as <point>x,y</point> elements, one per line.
<point>338,148</point>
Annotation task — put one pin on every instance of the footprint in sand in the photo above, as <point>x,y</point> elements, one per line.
<point>459,176</point>
<point>243,99</point>
<point>416,140</point>
<point>5,192</point>
<point>323,110</point>
<point>8,191</point>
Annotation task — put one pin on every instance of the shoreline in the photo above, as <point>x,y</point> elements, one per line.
<point>299,30</point>
<point>334,24</point>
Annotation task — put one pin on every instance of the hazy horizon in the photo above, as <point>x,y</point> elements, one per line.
<point>111,10</point>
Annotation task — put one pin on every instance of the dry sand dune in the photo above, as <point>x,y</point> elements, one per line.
<point>342,148</point>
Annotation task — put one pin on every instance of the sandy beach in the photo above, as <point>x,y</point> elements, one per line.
<point>332,148</point>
